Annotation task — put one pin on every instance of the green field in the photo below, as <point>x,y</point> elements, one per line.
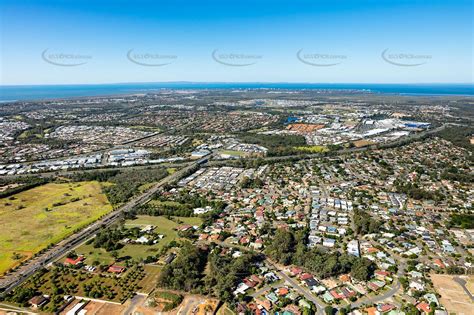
<point>33,219</point>
<point>233,153</point>
<point>313,148</point>
<point>135,251</point>
<point>171,170</point>
<point>146,128</point>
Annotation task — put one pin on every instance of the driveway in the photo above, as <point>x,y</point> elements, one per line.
<point>266,288</point>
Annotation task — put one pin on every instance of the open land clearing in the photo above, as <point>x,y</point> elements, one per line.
<point>177,303</point>
<point>33,219</point>
<point>453,296</point>
<point>225,310</point>
<point>96,308</point>
<point>163,225</point>
<point>313,148</point>
<point>233,153</point>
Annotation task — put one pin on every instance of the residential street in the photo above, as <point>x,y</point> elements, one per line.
<point>379,297</point>
<point>462,283</point>
<point>302,290</point>
<point>266,288</point>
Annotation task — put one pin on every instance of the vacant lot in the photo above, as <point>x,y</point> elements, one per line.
<point>33,219</point>
<point>163,226</point>
<point>148,283</point>
<point>362,143</point>
<point>225,310</point>
<point>453,296</point>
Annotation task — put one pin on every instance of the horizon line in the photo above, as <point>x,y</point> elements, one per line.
<point>237,82</point>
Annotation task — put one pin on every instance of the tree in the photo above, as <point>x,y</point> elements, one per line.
<point>362,269</point>
<point>329,310</point>
<point>282,246</point>
<point>185,272</point>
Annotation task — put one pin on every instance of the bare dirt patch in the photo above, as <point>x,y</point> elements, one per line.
<point>453,296</point>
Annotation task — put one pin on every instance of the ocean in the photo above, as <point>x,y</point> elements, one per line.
<point>43,92</point>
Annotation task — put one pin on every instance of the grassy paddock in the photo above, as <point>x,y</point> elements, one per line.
<point>135,251</point>
<point>313,149</point>
<point>33,219</point>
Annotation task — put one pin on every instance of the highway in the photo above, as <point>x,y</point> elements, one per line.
<point>15,278</point>
<point>404,140</point>
<point>407,139</point>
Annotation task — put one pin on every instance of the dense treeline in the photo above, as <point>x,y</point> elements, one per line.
<point>454,174</point>
<point>458,135</point>
<point>192,201</point>
<point>288,247</point>
<point>162,209</point>
<point>222,275</point>
<point>413,191</point>
<point>181,205</point>
<point>364,223</point>
<point>126,183</point>
<point>225,273</point>
<point>277,145</point>
<point>463,221</point>
<point>248,182</point>
<point>101,176</point>
<point>109,239</point>
<point>25,184</point>
<point>185,272</point>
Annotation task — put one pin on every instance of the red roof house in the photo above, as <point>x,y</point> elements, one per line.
<point>74,262</point>
<point>116,269</point>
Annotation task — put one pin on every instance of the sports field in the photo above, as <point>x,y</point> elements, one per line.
<point>33,219</point>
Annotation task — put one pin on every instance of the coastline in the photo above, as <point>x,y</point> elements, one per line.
<point>18,93</point>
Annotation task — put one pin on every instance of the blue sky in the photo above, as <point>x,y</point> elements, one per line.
<point>337,41</point>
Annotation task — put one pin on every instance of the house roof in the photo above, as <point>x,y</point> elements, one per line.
<point>283,291</point>
<point>424,307</point>
<point>305,276</point>
<point>116,269</point>
<point>74,262</point>
<point>37,300</point>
